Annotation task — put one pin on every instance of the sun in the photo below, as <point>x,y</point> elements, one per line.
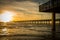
<point>6,16</point>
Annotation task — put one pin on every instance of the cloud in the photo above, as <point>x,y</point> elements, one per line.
<point>25,9</point>
<point>41,1</point>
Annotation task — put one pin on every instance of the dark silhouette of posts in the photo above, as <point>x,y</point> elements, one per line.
<point>52,6</point>
<point>53,21</point>
<point>53,26</point>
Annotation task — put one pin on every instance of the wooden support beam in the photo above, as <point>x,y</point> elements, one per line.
<point>53,21</point>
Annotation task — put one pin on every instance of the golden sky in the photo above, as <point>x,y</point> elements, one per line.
<point>23,10</point>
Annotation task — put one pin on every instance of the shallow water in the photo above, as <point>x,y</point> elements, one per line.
<point>34,32</point>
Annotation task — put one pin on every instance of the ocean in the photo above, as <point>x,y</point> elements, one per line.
<point>29,32</point>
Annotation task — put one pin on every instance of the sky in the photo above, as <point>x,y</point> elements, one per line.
<point>25,9</point>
